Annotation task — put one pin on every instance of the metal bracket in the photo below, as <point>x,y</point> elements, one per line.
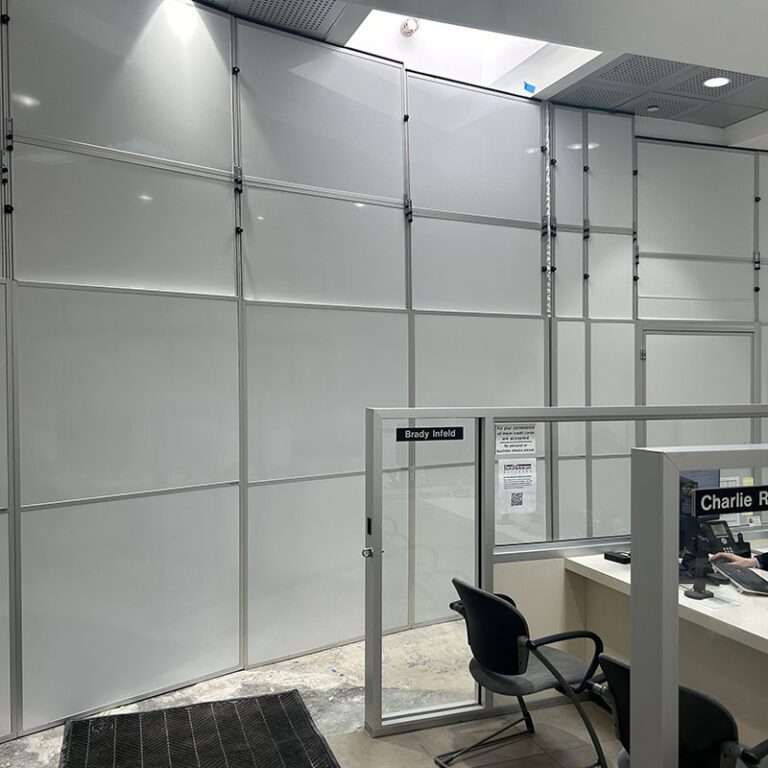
<point>237,175</point>
<point>643,354</point>
<point>586,227</point>
<point>367,552</point>
<point>408,209</point>
<point>5,18</point>
<point>549,226</point>
<point>756,260</point>
<point>3,167</point>
<point>9,132</point>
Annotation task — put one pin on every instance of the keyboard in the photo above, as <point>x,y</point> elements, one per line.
<point>744,579</point>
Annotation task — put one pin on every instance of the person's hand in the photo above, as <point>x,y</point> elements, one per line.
<point>744,562</point>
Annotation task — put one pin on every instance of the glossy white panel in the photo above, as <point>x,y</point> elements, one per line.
<point>569,171</point>
<point>610,180</point>
<point>319,116</point>
<point>610,276</point>
<point>473,151</point>
<point>124,392</point>
<point>475,267</point>
<point>613,363</point>
<point>148,76</point>
<point>5,632</point>
<point>569,278</point>
<point>151,582</point>
<point>90,221</point>
<point>695,290</point>
<point>305,574</point>
<point>318,250</point>
<point>311,374</point>
<point>464,361</point>
<point>571,364</point>
<point>572,489</point>
<point>610,497</point>
<point>445,537</point>
<point>525,526</point>
<point>695,201</point>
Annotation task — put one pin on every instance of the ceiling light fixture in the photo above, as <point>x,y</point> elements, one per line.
<point>716,82</point>
<point>652,108</point>
<point>409,27</point>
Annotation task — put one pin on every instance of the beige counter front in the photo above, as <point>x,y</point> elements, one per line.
<point>723,641</point>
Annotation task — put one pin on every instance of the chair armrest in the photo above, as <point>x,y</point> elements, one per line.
<point>506,597</point>
<point>575,635</point>
<point>458,606</point>
<point>756,754</point>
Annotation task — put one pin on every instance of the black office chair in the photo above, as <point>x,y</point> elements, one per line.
<point>708,734</point>
<point>505,660</point>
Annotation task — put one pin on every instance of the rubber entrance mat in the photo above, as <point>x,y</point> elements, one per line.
<point>274,731</point>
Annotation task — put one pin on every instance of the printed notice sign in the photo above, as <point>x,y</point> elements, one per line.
<point>418,434</point>
<point>515,489</point>
<point>519,439</point>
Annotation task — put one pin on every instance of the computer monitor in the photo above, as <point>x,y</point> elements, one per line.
<point>689,482</point>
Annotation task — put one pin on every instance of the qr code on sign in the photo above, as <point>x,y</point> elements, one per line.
<point>516,499</point>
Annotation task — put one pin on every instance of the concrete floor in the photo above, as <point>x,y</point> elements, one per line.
<point>421,667</point>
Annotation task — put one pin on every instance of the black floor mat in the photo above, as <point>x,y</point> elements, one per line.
<point>274,731</point>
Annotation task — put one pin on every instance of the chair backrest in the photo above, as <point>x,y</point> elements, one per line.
<point>496,630</point>
<point>704,724</point>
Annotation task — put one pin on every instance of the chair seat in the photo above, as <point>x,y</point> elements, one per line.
<point>536,678</point>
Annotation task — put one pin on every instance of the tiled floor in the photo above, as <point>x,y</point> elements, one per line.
<point>423,666</point>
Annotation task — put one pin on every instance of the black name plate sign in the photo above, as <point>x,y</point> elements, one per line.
<point>411,434</point>
<point>719,501</point>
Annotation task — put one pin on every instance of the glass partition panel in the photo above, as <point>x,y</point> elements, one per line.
<point>611,496</point>
<point>609,181</point>
<point>569,171</point>
<point>569,279</point>
<point>612,363</point>
<point>609,287</point>
<point>572,499</point>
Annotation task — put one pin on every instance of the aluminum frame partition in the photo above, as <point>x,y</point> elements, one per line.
<point>487,554</point>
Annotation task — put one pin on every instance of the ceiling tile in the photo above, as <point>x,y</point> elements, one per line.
<point>670,107</point>
<point>754,95</point>
<point>693,85</point>
<point>593,95</point>
<point>309,17</point>
<point>644,71</point>
<point>721,115</point>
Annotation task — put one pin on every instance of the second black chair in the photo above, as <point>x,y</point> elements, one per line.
<point>507,661</point>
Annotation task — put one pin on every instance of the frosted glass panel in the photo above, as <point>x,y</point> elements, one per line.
<point>319,116</point>
<point>610,497</point>
<point>3,411</point>
<point>394,564</point>
<point>445,537</point>
<point>612,437</point>
<point>763,230</point>
<point>311,374</point>
<point>695,290</point>
<point>572,488</point>
<point>569,171</point>
<point>305,574</point>
<point>610,276</point>
<point>464,361</point>
<point>610,180</point>
<point>474,152</point>
<point>145,76</point>
<point>572,438</point>
<point>91,221</point>
<point>613,363</point>
<point>571,362</point>
<point>476,267</point>
<point>124,392</point>
<point>695,201</point>
<point>5,632</point>
<point>569,278</point>
<point>317,250</point>
<point>709,432</point>
<point>151,582</point>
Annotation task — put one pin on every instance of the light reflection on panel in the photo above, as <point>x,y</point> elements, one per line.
<point>569,171</point>
<point>125,597</point>
<point>91,221</point>
<point>145,76</point>
<point>305,573</point>
<point>311,375</point>
<point>474,152</point>
<point>319,116</point>
<point>307,249</point>
<point>611,496</point>
<point>124,392</point>
<point>475,267</point>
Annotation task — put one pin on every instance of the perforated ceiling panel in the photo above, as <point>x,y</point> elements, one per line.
<point>694,85</point>
<point>308,17</point>
<point>593,97</point>
<point>641,70</point>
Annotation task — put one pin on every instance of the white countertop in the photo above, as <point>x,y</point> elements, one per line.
<point>743,618</point>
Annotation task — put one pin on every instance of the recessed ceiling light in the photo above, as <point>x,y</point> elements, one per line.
<point>652,108</point>
<point>25,100</point>
<point>145,197</point>
<point>409,27</point>
<point>716,82</point>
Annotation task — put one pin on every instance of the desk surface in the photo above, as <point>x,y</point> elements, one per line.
<point>743,618</point>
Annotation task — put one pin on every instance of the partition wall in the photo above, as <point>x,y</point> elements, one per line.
<point>220,243</point>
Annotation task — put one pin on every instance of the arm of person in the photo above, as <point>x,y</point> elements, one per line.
<point>759,561</point>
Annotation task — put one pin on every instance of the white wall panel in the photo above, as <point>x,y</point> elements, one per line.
<point>311,374</point>
<point>474,152</point>
<point>486,361</point>
<point>91,221</point>
<point>569,278</point>
<point>5,631</point>
<point>612,437</point>
<point>319,116</point>
<point>683,289</point>
<point>610,180</point>
<point>309,249</point>
<point>611,497</point>
<point>571,357</point>
<point>124,392</point>
<point>610,276</point>
<point>146,76</point>
<point>305,574</point>
<point>613,363</point>
<point>124,597</point>
<point>569,171</point>
<point>572,490</point>
<point>475,267</point>
<point>695,201</point>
